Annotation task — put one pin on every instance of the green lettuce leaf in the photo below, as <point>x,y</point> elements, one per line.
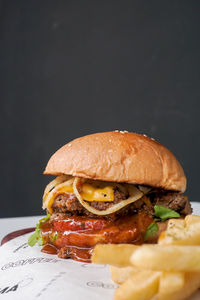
<point>36,237</point>
<point>165,213</point>
<point>152,229</point>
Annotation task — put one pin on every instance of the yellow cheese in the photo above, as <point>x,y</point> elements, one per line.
<point>65,189</point>
<point>84,191</point>
<point>134,195</point>
<point>58,191</point>
<point>90,193</point>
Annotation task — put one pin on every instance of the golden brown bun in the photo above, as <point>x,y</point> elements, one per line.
<point>121,157</point>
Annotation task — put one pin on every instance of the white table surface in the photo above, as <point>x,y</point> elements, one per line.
<point>7,225</point>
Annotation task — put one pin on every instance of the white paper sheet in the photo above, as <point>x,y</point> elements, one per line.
<point>27,273</point>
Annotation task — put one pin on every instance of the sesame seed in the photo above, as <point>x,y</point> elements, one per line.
<point>123,131</point>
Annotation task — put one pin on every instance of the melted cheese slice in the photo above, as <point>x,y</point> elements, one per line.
<point>88,192</point>
<point>65,189</point>
<point>134,195</point>
<point>91,193</point>
<point>56,189</point>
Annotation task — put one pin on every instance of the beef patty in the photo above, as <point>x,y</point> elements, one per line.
<point>67,204</point>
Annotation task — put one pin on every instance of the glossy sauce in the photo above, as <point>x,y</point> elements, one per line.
<point>15,234</point>
<point>50,249</point>
<point>77,236</point>
<point>80,254</point>
<point>76,253</point>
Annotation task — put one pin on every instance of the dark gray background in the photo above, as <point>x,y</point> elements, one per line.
<point>70,68</point>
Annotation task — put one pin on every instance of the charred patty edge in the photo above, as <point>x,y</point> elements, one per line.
<point>67,204</point>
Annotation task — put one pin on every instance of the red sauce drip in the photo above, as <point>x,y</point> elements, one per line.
<point>49,249</point>
<point>76,236</point>
<point>76,253</point>
<point>15,234</point>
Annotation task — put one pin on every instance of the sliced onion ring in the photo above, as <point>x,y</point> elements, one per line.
<point>53,184</point>
<point>144,189</point>
<point>134,193</point>
<point>55,189</point>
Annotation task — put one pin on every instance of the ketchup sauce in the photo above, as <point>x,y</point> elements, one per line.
<point>75,237</point>
<point>50,249</point>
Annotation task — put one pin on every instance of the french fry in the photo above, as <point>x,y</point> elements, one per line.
<point>117,255</point>
<point>119,275</point>
<point>143,285</point>
<point>178,233</point>
<point>180,223</point>
<point>171,282</point>
<point>169,270</point>
<point>192,283</point>
<point>167,258</point>
<point>191,219</point>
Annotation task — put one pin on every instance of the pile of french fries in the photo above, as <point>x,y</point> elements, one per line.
<point>169,270</point>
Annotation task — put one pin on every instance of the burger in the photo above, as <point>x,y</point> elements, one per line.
<point>111,187</point>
